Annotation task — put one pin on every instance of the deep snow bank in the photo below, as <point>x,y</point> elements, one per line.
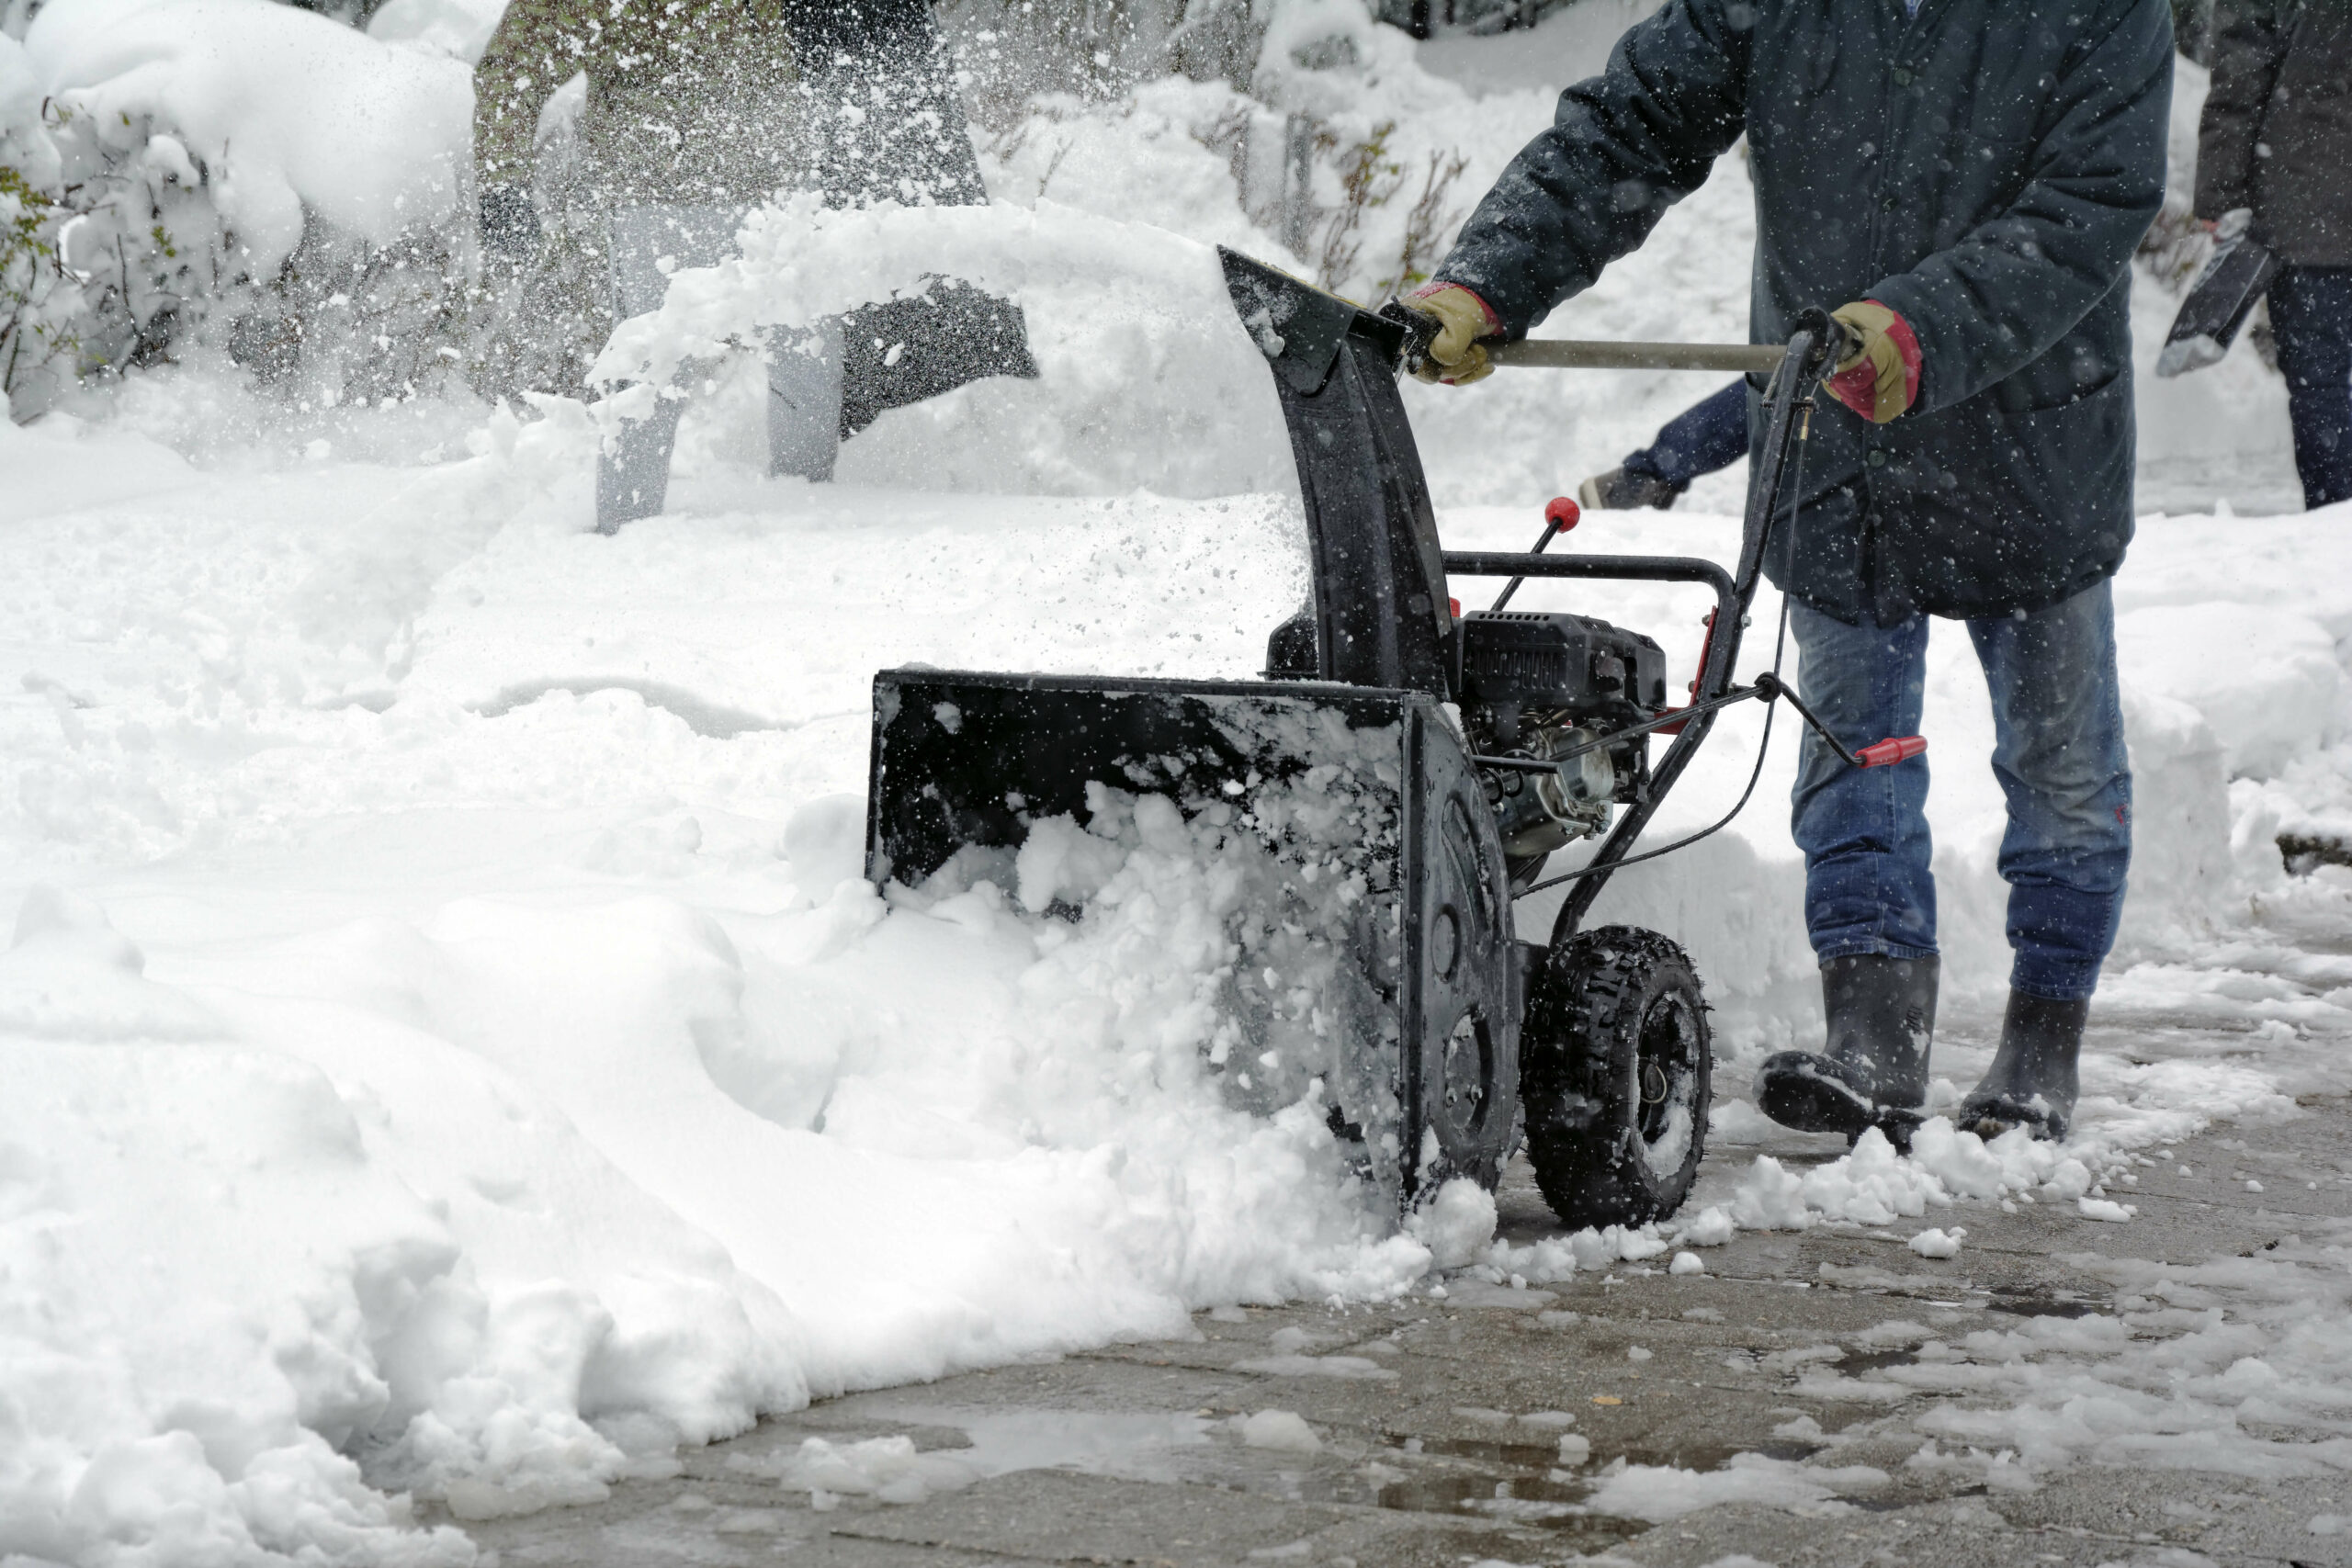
<point>245,1242</point>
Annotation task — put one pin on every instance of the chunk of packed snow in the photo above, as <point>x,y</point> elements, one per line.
<point>1285,1431</point>
<point>1456,1224</point>
<point>890,1470</point>
<point>1659,1492</point>
<point>1711,1227</point>
<point>1348,1369</point>
<point>1937,1243</point>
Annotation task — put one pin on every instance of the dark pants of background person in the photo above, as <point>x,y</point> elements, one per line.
<point>1698,440</point>
<point>2310,313</point>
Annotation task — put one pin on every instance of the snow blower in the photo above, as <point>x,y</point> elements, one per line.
<point>1369,843</point>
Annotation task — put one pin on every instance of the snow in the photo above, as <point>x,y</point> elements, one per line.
<point>1456,1224</point>
<point>887,1469</point>
<point>1658,1493</point>
<point>2198,1365</point>
<point>457,29</point>
<point>286,110</point>
<point>1936,1243</point>
<point>1281,1430</point>
<point>1149,380</point>
<point>452,1050</point>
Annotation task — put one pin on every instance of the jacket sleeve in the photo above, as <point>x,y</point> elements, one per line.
<point>1622,148</point>
<point>2249,46</point>
<point>2009,288</point>
<point>540,46</point>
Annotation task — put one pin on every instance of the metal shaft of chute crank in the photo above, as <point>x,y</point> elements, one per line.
<point>1596,353</point>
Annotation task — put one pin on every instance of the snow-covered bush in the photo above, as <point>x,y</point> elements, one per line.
<point>230,170</point>
<point>112,249</point>
<point>36,301</point>
<point>1366,192</point>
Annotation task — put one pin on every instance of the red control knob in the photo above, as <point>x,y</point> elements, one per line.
<point>1886,754</point>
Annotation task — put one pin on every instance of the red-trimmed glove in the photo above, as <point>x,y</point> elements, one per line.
<point>1880,380</point>
<point>1455,355</point>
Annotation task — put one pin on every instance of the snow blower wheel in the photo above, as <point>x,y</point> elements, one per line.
<point>1615,1062</point>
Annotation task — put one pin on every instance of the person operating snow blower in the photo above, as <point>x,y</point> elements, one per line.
<point>698,110</point>
<point>1972,179</point>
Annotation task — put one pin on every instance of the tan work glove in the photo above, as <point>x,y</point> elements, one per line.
<point>1880,380</point>
<point>1455,356</point>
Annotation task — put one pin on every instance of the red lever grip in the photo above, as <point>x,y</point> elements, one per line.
<point>1561,513</point>
<point>1886,754</point>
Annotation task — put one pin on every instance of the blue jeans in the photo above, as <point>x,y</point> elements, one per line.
<point>2310,313</point>
<point>2057,751</point>
<point>1700,439</point>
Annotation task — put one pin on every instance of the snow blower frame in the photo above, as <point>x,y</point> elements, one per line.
<point>1383,841</point>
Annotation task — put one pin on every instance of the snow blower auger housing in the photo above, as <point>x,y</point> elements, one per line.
<point>1371,847</point>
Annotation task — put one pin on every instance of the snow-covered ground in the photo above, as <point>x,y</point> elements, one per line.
<point>449,1048</point>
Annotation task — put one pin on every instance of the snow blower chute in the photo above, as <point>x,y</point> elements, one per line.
<point>1369,848</point>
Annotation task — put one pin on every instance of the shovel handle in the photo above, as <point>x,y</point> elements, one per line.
<point>1573,353</point>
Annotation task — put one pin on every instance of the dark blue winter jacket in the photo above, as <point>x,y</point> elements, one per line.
<point>1986,169</point>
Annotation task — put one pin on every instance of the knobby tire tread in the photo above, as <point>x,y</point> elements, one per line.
<point>1579,1080</point>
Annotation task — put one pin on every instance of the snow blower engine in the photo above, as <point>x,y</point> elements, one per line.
<point>1367,845</point>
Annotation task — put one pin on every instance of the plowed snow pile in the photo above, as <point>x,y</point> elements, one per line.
<point>449,1050</point>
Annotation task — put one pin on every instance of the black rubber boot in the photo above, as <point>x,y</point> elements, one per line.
<point>2032,1082</point>
<point>1881,1024</point>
